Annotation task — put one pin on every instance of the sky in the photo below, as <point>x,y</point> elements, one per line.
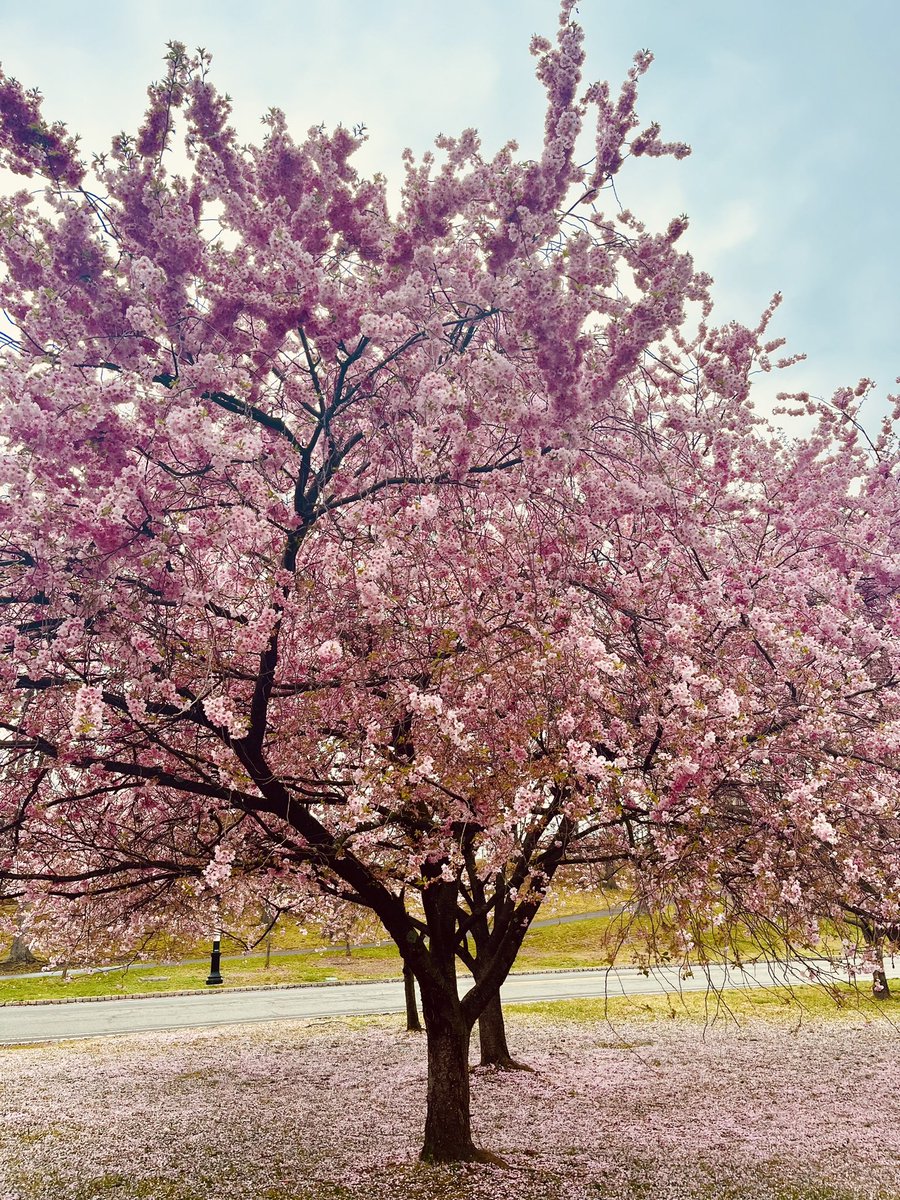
<point>791,108</point>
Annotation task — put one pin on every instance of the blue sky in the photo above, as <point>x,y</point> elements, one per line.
<point>791,108</point>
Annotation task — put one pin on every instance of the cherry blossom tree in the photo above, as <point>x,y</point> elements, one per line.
<point>762,760</point>
<point>409,556</point>
<point>213,375</point>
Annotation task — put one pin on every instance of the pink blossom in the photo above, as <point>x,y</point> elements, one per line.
<point>824,830</point>
<point>330,652</point>
<point>87,711</point>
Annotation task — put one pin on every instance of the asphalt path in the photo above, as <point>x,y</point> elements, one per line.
<point>55,1022</point>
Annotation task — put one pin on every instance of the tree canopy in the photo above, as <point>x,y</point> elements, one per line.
<point>407,556</point>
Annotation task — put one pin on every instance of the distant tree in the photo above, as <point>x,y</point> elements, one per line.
<point>20,953</point>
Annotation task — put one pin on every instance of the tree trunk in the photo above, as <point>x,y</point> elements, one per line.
<point>492,1035</point>
<point>19,953</point>
<point>413,1024</point>
<point>874,938</point>
<point>492,1039</point>
<point>448,1127</point>
<point>880,989</point>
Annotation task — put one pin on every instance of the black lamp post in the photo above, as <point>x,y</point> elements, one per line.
<point>215,975</point>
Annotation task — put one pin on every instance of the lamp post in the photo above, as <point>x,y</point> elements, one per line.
<point>215,975</point>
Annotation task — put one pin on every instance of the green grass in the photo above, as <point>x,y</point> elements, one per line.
<point>377,962</point>
<point>596,942</point>
<point>581,944</point>
<point>564,901</point>
<point>628,939</point>
<point>123,1187</point>
<point>794,1004</point>
<point>558,945</point>
<point>624,939</point>
<point>111,1187</point>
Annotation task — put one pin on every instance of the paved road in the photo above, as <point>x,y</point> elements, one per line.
<point>50,1022</point>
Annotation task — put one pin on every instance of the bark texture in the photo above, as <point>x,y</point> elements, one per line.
<point>448,1130</point>
<point>492,1039</point>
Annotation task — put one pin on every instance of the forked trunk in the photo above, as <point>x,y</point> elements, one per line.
<point>448,1127</point>
<point>492,1038</point>
<point>20,954</point>
<point>492,1035</point>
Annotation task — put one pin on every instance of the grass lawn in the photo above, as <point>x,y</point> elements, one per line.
<point>636,1105</point>
<point>580,944</point>
<point>595,942</point>
<point>290,934</point>
<point>793,1006</point>
<point>370,963</point>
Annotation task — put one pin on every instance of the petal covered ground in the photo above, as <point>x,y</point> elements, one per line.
<point>333,1111</point>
